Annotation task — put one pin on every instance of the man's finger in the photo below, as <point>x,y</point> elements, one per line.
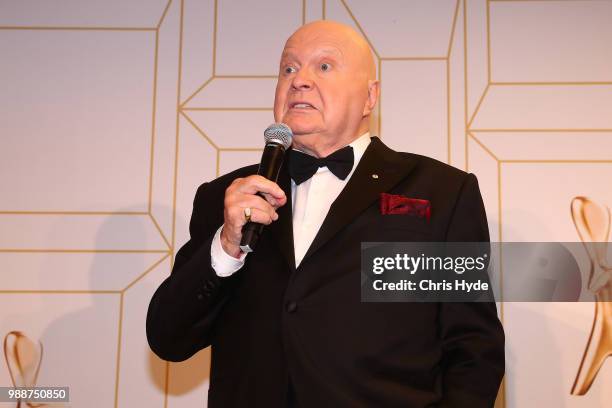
<point>262,217</point>
<point>258,184</point>
<point>274,202</point>
<point>252,202</point>
<point>238,217</point>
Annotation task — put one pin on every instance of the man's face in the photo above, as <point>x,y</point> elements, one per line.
<point>322,87</point>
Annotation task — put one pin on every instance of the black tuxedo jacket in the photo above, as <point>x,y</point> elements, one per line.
<point>271,323</point>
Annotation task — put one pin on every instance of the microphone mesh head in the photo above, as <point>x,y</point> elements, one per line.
<point>279,133</point>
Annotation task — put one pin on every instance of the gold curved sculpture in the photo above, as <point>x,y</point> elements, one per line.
<point>592,221</point>
<point>23,358</point>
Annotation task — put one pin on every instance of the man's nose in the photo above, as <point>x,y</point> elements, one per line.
<point>302,80</point>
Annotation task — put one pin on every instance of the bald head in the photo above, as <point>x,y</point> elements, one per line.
<point>327,86</point>
<point>345,35</point>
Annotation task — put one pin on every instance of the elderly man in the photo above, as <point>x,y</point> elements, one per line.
<point>286,324</point>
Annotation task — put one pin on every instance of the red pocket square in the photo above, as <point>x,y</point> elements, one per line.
<point>399,204</point>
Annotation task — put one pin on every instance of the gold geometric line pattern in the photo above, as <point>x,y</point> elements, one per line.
<point>161,233</point>
<point>86,214</point>
<point>535,83</point>
<point>531,1</point>
<point>499,198</point>
<point>501,397</point>
<point>412,58</point>
<point>214,45</point>
<point>241,109</point>
<point>246,76</point>
<point>485,148</point>
<point>348,10</point>
<point>556,130</point>
<point>482,97</point>
<point>215,76</point>
<point>176,144</point>
<point>60,292</point>
<point>380,98</point>
<point>178,113</point>
<point>426,58</point>
<point>51,28</point>
<point>380,59</point>
<point>448,84</point>
<point>98,213</point>
<point>452,33</point>
<point>208,81</point>
<point>501,400</point>
<point>488,43</point>
<point>92,251</point>
<point>469,132</point>
<point>491,82</point>
<point>81,251</point>
<point>153,115</point>
<point>500,162</point>
<point>73,213</point>
<point>200,131</point>
<point>88,291</point>
<point>324,9</point>
<point>415,58</point>
<point>240,149</point>
<point>465,86</point>
<point>214,55</point>
<point>395,58</point>
<point>155,29</point>
<point>468,121</point>
<point>166,382</point>
<point>303,12</point>
<point>163,16</point>
<point>362,31</point>
<point>499,209</point>
<point>142,275</point>
<point>118,363</point>
<point>556,161</point>
<point>448,111</point>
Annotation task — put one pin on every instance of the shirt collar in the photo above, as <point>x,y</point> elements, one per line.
<point>359,146</point>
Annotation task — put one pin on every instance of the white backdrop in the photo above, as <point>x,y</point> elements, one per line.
<point>113,112</point>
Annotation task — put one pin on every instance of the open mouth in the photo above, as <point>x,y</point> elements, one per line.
<point>301,105</point>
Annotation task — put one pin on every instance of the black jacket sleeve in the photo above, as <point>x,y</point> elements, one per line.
<point>472,335</point>
<point>183,310</point>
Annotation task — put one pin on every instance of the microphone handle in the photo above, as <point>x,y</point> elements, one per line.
<point>271,162</point>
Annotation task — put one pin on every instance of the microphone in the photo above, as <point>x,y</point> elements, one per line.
<point>278,137</point>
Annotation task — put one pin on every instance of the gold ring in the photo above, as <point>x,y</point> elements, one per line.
<point>247,214</point>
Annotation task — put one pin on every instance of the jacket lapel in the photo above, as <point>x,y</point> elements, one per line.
<point>379,170</point>
<point>283,227</point>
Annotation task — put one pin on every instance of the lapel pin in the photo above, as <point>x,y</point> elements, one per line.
<point>375,176</point>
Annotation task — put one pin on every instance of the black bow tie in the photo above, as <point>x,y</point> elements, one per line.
<point>302,166</point>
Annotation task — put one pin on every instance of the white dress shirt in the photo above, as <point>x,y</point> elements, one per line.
<point>310,204</point>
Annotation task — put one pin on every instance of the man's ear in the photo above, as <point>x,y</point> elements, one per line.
<point>373,93</point>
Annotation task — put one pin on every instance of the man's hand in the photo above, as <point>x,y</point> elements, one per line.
<point>242,193</point>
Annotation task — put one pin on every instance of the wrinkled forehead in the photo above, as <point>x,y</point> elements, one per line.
<point>323,49</point>
<point>311,41</point>
<point>325,37</point>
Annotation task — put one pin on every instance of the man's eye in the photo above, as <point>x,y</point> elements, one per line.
<point>325,67</point>
<point>289,70</point>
